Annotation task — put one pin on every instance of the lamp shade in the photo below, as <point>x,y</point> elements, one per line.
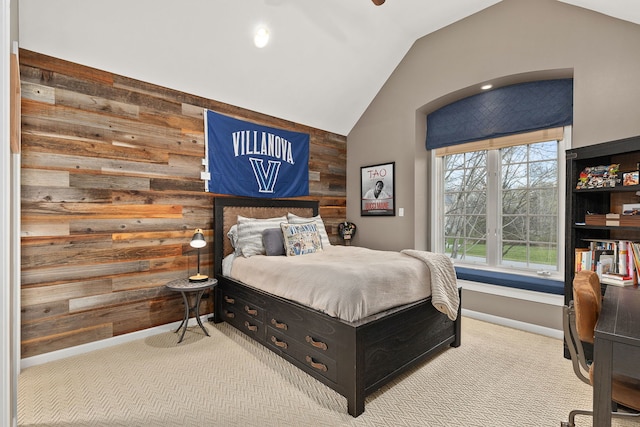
<point>197,241</point>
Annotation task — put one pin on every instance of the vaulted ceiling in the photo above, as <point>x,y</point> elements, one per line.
<point>324,64</point>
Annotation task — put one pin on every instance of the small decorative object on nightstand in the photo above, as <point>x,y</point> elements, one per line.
<point>185,286</point>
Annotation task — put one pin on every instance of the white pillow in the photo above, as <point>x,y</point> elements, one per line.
<point>301,239</point>
<point>295,219</point>
<point>250,233</point>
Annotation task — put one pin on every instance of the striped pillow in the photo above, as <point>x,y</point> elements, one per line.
<point>295,219</point>
<point>250,233</point>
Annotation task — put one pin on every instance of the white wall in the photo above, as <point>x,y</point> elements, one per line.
<point>510,42</point>
<point>514,40</point>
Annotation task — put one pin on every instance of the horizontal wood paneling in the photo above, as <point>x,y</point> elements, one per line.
<point>111,194</point>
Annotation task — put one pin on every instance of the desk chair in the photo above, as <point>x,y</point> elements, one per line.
<point>579,323</point>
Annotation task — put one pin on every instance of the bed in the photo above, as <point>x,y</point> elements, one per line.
<point>354,358</point>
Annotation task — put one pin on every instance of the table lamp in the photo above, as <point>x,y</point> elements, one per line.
<point>198,242</point>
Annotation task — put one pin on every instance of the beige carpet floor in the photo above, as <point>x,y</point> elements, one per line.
<point>498,377</point>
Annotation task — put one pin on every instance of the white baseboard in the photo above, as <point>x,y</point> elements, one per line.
<point>97,345</point>
<point>516,324</point>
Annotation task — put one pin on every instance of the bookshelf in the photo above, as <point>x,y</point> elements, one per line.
<point>595,212</point>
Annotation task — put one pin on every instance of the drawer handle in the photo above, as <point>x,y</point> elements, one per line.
<point>250,311</point>
<point>316,344</point>
<point>250,327</point>
<point>279,343</point>
<point>229,300</point>
<point>319,366</point>
<point>229,314</point>
<point>279,325</point>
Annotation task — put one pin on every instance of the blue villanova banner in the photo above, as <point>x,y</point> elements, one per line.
<point>246,159</point>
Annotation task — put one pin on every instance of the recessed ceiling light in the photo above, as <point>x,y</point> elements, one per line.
<point>486,87</point>
<point>261,37</point>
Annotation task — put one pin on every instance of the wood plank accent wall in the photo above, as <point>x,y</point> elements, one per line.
<point>111,195</point>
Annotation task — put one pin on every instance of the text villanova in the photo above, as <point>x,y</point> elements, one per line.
<point>248,142</point>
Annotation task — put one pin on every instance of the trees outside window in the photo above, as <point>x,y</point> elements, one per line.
<point>465,205</point>
<point>501,206</point>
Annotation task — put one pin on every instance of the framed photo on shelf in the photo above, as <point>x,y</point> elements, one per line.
<point>630,178</point>
<point>377,186</point>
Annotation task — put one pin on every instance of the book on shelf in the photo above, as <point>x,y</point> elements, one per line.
<point>617,279</point>
<point>612,220</point>
<point>618,257</point>
<point>634,260</point>
<point>579,261</point>
<point>623,257</point>
<point>616,276</point>
<point>635,254</point>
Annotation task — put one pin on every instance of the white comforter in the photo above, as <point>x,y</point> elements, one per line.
<point>349,283</point>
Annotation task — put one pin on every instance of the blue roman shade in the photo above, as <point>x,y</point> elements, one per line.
<point>508,110</point>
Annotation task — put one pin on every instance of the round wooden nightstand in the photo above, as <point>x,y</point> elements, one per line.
<point>185,287</point>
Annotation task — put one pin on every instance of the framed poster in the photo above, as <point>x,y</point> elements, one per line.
<point>377,188</point>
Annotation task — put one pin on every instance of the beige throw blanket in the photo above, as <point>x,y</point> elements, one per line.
<point>444,288</point>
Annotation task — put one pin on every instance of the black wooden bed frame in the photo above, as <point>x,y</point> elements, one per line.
<point>352,358</point>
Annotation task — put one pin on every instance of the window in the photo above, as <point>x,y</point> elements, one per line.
<point>501,205</point>
<point>465,206</point>
<point>529,200</point>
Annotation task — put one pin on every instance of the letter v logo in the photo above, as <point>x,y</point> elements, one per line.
<point>266,179</point>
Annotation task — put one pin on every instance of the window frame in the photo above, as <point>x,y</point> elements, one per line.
<point>493,273</point>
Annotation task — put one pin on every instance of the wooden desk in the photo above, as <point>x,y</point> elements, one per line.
<point>616,346</point>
